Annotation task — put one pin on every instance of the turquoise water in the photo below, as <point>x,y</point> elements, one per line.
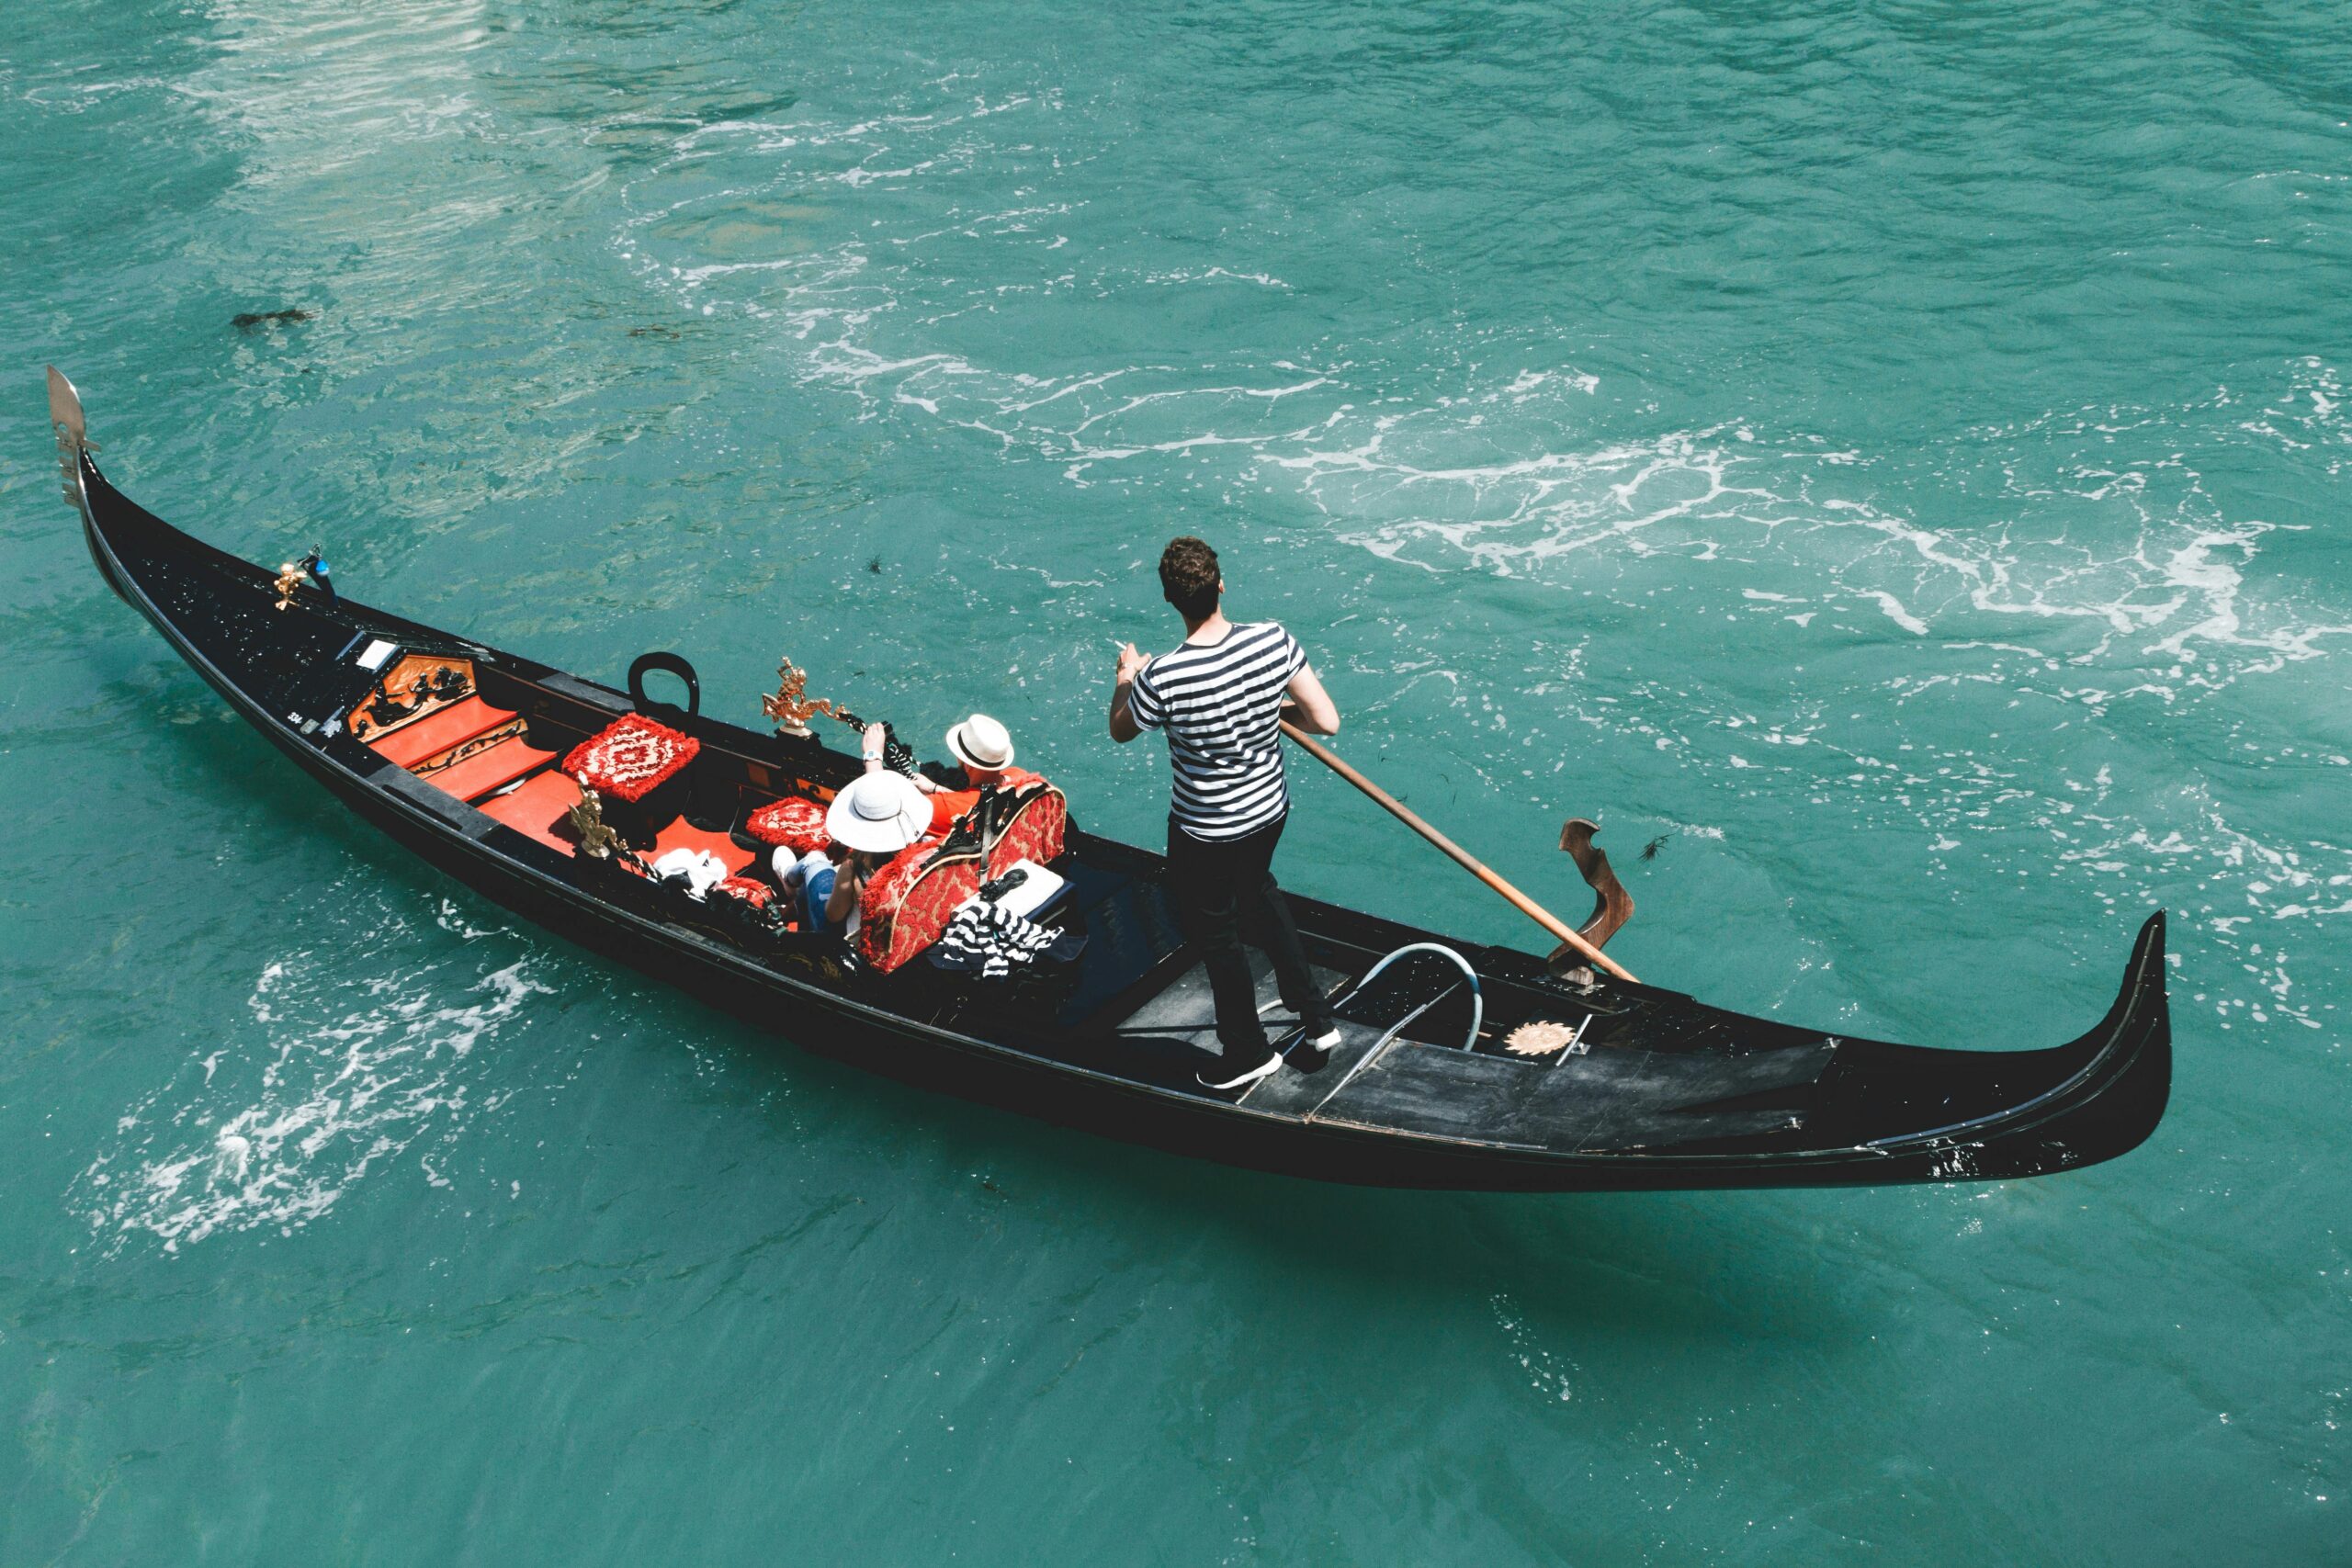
<point>1890,453</point>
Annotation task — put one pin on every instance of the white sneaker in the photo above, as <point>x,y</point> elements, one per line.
<point>1326,1040</point>
<point>1264,1069</point>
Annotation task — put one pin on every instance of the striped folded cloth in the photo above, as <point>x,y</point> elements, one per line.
<point>989,939</point>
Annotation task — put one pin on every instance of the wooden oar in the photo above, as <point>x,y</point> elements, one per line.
<point>1461,857</point>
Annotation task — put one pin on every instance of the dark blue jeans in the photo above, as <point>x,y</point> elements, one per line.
<point>1223,890</point>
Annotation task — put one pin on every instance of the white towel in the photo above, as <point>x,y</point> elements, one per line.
<point>702,870</point>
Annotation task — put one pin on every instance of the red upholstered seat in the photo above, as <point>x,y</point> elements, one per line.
<point>1034,833</point>
<point>630,757</point>
<point>750,890</point>
<point>488,768</point>
<point>908,905</point>
<point>798,824</point>
<point>683,835</point>
<point>536,807</point>
<point>439,730</point>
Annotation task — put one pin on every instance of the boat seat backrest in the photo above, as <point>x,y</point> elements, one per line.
<point>908,905</point>
<point>1038,823</point>
<point>712,793</point>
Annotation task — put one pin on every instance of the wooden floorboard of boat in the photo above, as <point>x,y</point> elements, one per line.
<point>1186,1011</point>
<point>1309,1076</point>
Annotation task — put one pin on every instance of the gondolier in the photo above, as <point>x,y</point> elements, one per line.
<point>1221,697</point>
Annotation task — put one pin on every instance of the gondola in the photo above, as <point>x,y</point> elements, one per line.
<point>1463,1064</point>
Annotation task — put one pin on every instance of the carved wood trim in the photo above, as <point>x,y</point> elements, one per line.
<point>1611,905</point>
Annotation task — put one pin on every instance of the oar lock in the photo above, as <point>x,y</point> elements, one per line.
<point>669,664</point>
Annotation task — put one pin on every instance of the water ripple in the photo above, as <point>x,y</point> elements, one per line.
<point>340,1072</point>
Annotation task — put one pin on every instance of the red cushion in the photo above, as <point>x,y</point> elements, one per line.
<point>437,731</point>
<point>682,834</point>
<point>631,757</point>
<point>908,905</point>
<point>750,890</point>
<point>488,768</point>
<point>536,807</point>
<point>798,824</point>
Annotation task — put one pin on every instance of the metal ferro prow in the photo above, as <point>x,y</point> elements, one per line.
<point>73,437</point>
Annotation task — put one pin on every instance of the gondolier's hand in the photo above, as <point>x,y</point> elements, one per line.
<point>1124,728</point>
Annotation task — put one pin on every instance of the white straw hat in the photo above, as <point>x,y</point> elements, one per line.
<point>981,743</point>
<point>880,813</point>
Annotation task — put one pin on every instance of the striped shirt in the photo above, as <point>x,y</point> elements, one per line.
<point>1221,706</point>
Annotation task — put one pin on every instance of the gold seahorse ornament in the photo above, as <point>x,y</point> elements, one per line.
<point>791,708</point>
<point>597,840</point>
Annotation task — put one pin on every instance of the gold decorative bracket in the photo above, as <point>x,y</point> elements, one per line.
<point>1548,1036</point>
<point>597,840</point>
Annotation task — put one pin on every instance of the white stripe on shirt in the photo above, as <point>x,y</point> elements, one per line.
<point>1221,707</point>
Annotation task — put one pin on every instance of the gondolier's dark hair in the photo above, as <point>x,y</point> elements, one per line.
<point>1190,576</point>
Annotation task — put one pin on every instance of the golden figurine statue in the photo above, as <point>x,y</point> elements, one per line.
<point>791,708</point>
<point>597,840</point>
<point>290,578</point>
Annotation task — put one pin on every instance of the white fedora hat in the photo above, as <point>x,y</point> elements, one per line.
<point>981,743</point>
<point>880,813</point>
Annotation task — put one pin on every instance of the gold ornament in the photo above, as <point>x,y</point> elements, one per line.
<point>1543,1036</point>
<point>597,840</point>
<point>791,708</point>
<point>290,578</point>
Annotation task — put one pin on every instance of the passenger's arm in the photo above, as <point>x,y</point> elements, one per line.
<point>1309,707</point>
<point>849,881</point>
<point>1124,727</point>
<point>869,746</point>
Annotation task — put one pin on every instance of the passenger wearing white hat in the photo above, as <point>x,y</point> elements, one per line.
<point>985,751</point>
<point>875,817</point>
<point>879,813</point>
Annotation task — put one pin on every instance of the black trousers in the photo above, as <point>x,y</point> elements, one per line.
<point>1222,890</point>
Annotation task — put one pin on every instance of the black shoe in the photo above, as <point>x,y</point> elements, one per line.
<point>1262,1070</point>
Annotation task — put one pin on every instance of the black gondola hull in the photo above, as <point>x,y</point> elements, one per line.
<point>2019,1113</point>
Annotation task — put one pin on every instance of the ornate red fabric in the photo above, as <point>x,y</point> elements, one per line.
<point>1034,834</point>
<point>750,890</point>
<point>908,904</point>
<point>630,757</point>
<point>798,824</point>
<point>949,804</point>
